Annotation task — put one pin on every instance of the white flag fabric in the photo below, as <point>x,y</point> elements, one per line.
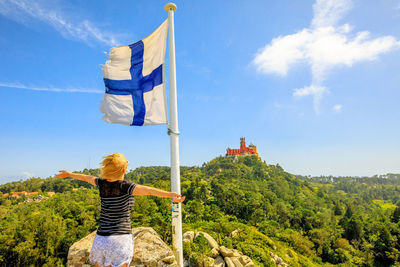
<point>134,81</point>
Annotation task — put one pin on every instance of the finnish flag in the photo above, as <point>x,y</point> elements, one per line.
<point>134,81</point>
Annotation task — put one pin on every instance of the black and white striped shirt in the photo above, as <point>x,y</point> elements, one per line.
<point>116,204</point>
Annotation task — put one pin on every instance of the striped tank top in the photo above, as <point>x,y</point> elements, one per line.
<point>116,204</point>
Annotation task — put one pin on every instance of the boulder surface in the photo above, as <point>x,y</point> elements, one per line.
<point>149,250</point>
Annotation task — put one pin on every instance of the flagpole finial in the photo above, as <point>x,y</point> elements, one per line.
<point>170,6</point>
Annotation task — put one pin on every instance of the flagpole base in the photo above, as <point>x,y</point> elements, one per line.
<point>170,6</point>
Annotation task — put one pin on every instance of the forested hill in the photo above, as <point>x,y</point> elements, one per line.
<point>305,222</point>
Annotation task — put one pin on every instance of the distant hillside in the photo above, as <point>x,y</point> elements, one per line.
<point>306,222</point>
<point>389,178</point>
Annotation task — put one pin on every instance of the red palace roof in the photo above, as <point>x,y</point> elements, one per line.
<point>243,150</point>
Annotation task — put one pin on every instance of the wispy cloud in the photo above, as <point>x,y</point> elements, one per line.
<point>329,12</point>
<point>323,46</point>
<point>314,90</point>
<point>51,89</point>
<point>337,108</point>
<point>24,11</point>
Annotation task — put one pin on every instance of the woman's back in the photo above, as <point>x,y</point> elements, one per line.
<point>113,243</point>
<point>116,204</point>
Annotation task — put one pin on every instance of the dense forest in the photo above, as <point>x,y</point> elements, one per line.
<point>307,221</point>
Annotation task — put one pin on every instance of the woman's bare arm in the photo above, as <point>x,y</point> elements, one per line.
<point>142,190</point>
<point>78,176</point>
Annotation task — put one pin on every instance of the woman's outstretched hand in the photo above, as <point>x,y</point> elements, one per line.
<point>63,174</point>
<point>176,198</point>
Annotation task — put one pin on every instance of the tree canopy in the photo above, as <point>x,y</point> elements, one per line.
<point>307,221</point>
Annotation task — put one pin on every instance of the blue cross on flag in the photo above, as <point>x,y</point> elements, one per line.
<point>134,81</point>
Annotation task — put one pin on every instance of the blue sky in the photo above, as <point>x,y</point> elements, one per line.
<point>314,84</point>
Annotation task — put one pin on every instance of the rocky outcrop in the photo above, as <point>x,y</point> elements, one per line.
<point>278,260</point>
<point>222,256</point>
<point>78,253</point>
<point>149,250</point>
<point>188,236</point>
<point>211,241</point>
<point>219,262</point>
<point>235,233</point>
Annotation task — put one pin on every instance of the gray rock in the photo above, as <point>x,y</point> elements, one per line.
<point>215,252</point>
<point>188,236</point>
<point>245,260</point>
<point>234,233</point>
<point>149,250</point>
<point>208,262</point>
<point>236,261</point>
<point>229,262</point>
<point>169,259</point>
<point>237,253</point>
<point>219,262</point>
<point>226,252</point>
<point>78,251</point>
<point>278,260</point>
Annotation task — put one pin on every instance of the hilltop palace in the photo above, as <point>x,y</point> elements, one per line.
<point>243,150</point>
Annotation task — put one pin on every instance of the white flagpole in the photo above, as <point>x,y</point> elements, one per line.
<point>174,132</point>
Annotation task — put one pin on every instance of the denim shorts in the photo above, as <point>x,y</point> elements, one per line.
<point>114,250</point>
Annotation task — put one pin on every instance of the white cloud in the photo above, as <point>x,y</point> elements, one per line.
<point>282,53</point>
<point>51,89</point>
<point>337,108</point>
<point>316,91</point>
<point>322,46</point>
<point>23,11</point>
<point>27,174</point>
<point>329,12</point>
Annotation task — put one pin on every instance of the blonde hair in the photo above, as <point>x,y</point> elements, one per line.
<point>113,166</point>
